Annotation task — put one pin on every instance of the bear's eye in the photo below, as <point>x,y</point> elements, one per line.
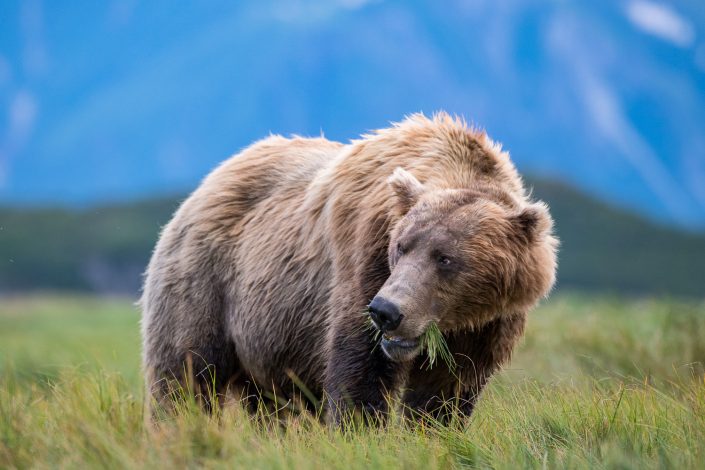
<point>400,249</point>
<point>443,260</point>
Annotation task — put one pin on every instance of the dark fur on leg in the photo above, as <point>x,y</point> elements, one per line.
<point>441,394</point>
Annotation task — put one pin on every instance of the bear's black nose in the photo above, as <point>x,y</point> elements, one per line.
<point>385,314</point>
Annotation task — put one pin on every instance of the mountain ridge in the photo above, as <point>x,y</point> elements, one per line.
<point>128,102</point>
<point>105,249</point>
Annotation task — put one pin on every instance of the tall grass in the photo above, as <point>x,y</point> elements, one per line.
<point>598,383</point>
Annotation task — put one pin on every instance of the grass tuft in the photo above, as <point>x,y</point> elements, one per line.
<point>436,347</point>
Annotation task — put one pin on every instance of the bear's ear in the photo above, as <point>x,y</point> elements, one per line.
<point>406,187</point>
<point>533,222</point>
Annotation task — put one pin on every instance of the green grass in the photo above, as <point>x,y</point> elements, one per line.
<point>601,383</point>
<point>435,346</point>
<point>41,336</point>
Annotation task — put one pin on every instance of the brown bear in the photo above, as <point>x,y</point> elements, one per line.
<point>267,276</point>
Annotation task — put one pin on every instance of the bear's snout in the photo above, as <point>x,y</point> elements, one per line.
<point>385,314</point>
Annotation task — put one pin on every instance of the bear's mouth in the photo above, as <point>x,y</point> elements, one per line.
<point>400,349</point>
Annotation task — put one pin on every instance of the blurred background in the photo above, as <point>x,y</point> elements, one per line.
<point>112,112</point>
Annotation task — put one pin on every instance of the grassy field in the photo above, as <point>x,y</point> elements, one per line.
<point>599,383</point>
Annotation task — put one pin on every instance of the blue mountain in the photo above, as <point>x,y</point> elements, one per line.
<point>116,100</point>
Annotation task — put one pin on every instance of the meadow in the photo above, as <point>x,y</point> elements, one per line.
<point>598,382</point>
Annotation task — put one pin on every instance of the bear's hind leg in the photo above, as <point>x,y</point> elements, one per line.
<point>188,353</point>
<point>199,374</point>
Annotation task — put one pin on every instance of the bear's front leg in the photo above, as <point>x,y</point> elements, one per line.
<point>359,377</point>
<point>440,393</point>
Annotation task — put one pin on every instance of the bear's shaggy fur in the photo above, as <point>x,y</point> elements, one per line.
<point>261,280</point>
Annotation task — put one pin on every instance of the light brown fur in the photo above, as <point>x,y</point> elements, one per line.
<point>266,269</point>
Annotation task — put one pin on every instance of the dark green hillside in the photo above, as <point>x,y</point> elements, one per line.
<point>608,249</point>
<point>105,249</point>
<point>100,249</point>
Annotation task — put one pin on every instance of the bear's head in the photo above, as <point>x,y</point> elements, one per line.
<point>460,258</point>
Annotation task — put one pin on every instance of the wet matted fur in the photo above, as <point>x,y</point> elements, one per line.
<point>265,271</point>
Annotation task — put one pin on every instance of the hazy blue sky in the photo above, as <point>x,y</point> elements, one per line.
<point>112,100</point>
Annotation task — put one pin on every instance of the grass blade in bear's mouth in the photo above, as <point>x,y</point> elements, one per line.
<point>372,326</point>
<point>436,347</point>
